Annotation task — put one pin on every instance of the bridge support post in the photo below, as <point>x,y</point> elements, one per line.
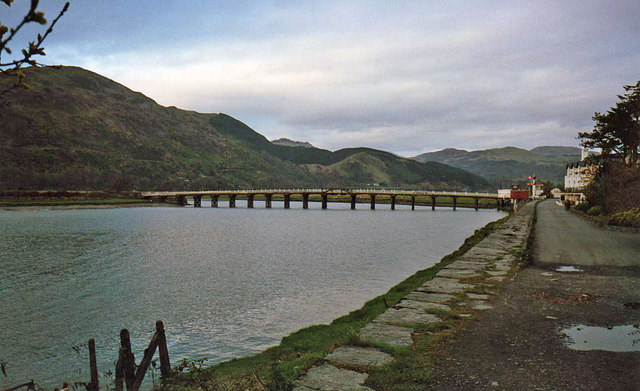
<point>413,202</point>
<point>214,201</point>
<point>232,201</point>
<point>305,201</point>
<point>324,200</point>
<point>287,201</point>
<point>499,203</point>
<point>163,199</point>
<point>393,202</point>
<point>267,200</point>
<point>433,202</point>
<point>197,201</point>
<point>455,201</point>
<point>182,200</point>
<point>476,203</point>
<point>250,201</point>
<point>373,201</point>
<point>353,201</point>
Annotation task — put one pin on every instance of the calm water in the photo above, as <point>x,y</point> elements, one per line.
<point>226,282</point>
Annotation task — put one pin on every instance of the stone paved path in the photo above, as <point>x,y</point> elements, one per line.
<point>490,260</point>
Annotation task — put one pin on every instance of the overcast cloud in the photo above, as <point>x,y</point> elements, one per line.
<point>407,77</point>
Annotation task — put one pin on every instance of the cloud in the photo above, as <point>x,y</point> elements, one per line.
<point>405,78</point>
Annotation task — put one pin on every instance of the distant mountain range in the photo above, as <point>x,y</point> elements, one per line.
<point>510,163</point>
<point>75,129</point>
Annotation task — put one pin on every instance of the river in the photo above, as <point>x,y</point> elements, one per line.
<point>226,282</point>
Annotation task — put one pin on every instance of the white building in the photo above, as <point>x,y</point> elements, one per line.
<point>579,174</point>
<point>556,193</point>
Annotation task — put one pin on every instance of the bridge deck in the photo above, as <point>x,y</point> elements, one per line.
<point>369,192</point>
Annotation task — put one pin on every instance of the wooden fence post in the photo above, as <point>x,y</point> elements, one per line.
<point>93,366</point>
<point>128,360</point>
<point>119,383</point>
<point>165,365</point>
<point>126,370</point>
<point>145,362</point>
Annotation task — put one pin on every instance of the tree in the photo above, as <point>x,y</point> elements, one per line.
<point>27,55</point>
<point>617,132</point>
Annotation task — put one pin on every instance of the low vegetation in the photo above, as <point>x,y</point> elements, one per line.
<point>74,202</point>
<point>277,367</point>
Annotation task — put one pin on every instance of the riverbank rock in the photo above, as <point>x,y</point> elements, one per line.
<point>386,333</point>
<point>356,355</point>
<point>329,378</point>
<point>444,285</point>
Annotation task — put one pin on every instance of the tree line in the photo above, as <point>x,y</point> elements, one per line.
<point>617,132</point>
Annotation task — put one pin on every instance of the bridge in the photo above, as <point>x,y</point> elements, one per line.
<point>325,195</point>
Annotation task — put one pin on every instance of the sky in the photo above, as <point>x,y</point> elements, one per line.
<point>403,76</point>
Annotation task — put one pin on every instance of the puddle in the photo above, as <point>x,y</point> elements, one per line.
<point>613,339</point>
<point>568,269</point>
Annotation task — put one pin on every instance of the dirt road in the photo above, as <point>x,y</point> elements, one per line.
<point>518,345</point>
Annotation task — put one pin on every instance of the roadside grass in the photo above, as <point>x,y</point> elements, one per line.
<point>413,366</point>
<point>114,201</point>
<point>302,349</point>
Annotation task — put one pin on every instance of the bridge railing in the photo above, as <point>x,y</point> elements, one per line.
<point>320,191</point>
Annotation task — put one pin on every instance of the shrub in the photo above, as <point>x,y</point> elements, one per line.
<point>627,218</point>
<point>583,206</point>
<point>594,211</point>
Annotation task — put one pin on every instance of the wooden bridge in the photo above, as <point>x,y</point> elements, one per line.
<point>325,195</point>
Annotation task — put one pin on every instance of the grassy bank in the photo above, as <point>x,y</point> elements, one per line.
<point>115,201</point>
<point>282,364</point>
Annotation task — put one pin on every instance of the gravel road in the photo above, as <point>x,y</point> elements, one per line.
<point>518,345</point>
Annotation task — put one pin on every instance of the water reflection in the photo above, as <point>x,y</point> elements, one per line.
<point>625,338</point>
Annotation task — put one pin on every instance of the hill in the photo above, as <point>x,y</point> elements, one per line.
<point>556,151</point>
<point>547,163</point>
<point>291,143</point>
<point>75,129</point>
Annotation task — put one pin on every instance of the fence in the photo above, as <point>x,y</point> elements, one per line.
<point>127,372</point>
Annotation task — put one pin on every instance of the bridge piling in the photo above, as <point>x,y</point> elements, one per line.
<point>305,201</point>
<point>197,201</point>
<point>353,201</point>
<point>393,202</point>
<point>214,201</point>
<point>455,202</point>
<point>373,201</point>
<point>413,202</point>
<point>476,202</point>
<point>433,202</point>
<point>324,200</point>
<point>250,201</point>
<point>267,201</point>
<point>287,200</point>
<point>232,201</point>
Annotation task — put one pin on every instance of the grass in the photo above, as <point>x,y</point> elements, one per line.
<point>115,201</point>
<point>304,348</point>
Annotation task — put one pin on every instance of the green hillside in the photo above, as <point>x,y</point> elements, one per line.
<point>75,129</point>
<point>547,163</point>
<point>555,151</point>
